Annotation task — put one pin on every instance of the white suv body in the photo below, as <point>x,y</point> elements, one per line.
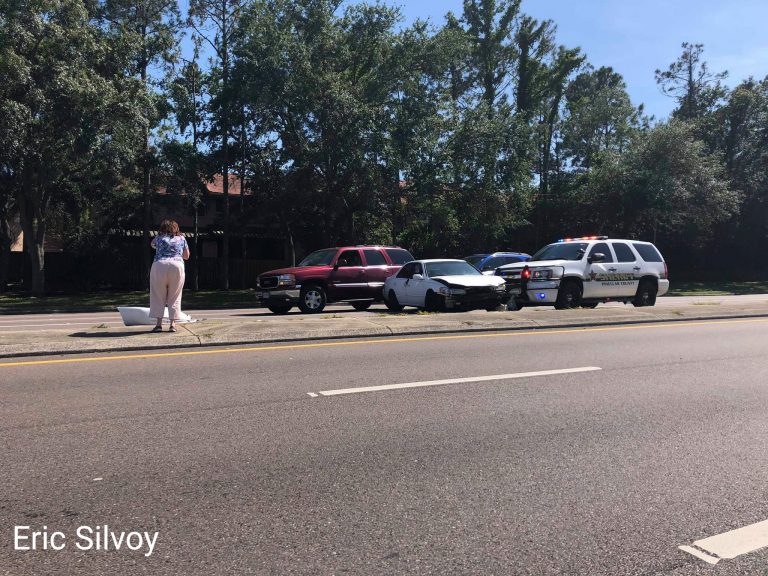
<point>585,271</point>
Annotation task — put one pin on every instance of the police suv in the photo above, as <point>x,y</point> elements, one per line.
<point>584,271</point>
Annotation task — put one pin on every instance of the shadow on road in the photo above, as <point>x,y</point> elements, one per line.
<point>111,334</point>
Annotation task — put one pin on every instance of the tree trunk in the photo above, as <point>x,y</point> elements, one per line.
<point>243,227</point>
<point>145,194</point>
<point>33,226</point>
<point>147,212</point>
<point>225,151</point>
<point>196,248</point>
<point>37,261</point>
<point>291,248</point>
<point>224,280</point>
<point>5,245</point>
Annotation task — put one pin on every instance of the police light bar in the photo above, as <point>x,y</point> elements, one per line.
<point>583,238</point>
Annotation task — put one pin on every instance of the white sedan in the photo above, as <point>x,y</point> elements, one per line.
<point>443,284</point>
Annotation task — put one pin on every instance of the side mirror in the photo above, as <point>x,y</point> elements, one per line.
<point>597,257</point>
<point>417,277</point>
<point>341,262</point>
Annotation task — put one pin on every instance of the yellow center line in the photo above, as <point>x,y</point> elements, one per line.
<point>538,332</point>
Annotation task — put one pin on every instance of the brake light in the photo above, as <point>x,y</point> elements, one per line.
<point>666,272</point>
<point>526,273</point>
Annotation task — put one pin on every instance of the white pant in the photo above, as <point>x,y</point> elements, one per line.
<point>166,281</point>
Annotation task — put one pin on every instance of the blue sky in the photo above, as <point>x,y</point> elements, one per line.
<point>637,37</point>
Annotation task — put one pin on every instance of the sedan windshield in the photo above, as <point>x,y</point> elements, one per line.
<point>319,258</point>
<point>561,251</point>
<point>450,268</point>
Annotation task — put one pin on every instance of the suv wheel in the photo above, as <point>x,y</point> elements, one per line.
<point>392,303</point>
<point>279,309</point>
<point>362,306</point>
<point>312,299</point>
<point>646,294</point>
<point>569,296</point>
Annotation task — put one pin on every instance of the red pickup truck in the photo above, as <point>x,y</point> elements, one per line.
<point>352,274</point>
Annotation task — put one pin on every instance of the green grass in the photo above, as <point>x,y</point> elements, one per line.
<point>102,301</point>
<point>721,288</point>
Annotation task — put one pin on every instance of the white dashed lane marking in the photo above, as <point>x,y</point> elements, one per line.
<point>730,544</point>
<point>387,387</point>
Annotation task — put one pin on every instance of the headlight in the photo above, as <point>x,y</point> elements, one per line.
<point>451,291</point>
<point>286,280</point>
<point>501,288</point>
<point>547,273</point>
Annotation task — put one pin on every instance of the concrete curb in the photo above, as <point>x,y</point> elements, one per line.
<point>382,332</point>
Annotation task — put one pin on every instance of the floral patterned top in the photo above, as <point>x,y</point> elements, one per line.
<point>169,247</point>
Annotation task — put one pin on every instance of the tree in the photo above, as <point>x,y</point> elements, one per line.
<point>65,111</point>
<point>689,81</point>
<point>599,116</point>
<point>489,27</point>
<point>146,31</point>
<point>6,210</point>
<point>534,42</point>
<point>216,22</point>
<point>185,92</point>
<point>665,188</point>
<point>742,138</point>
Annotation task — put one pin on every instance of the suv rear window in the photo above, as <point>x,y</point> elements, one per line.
<point>623,252</point>
<point>399,256</point>
<point>648,252</point>
<point>374,258</point>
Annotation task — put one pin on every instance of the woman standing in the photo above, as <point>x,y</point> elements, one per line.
<point>166,278</point>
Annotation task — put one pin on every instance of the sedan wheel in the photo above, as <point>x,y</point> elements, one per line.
<point>392,303</point>
<point>433,302</point>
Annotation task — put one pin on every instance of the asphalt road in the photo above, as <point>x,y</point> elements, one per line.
<point>243,466</point>
<point>64,321</point>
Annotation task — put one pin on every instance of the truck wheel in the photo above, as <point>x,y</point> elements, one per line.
<point>312,299</point>
<point>362,306</point>
<point>569,296</point>
<point>279,309</point>
<point>392,302</point>
<point>646,294</point>
<point>433,302</point>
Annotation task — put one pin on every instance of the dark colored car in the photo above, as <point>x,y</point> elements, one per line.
<point>352,274</point>
<point>487,263</point>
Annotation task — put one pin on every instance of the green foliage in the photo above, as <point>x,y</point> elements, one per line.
<point>479,134</point>
<point>69,113</point>
<point>665,187</point>
<point>689,80</point>
<point>599,117</point>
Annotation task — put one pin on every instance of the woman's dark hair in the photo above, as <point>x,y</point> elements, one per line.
<point>170,227</point>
